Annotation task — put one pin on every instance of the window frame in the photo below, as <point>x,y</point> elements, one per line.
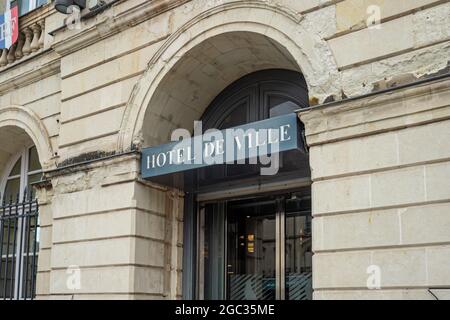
<point>24,156</point>
<point>32,5</point>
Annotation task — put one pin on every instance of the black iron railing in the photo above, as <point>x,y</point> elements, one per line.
<point>19,239</point>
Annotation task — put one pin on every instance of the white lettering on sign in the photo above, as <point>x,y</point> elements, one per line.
<point>258,142</point>
<point>248,144</point>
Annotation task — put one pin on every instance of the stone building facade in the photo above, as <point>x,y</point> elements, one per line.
<point>377,127</point>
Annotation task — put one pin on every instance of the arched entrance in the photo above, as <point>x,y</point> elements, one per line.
<point>254,233</point>
<point>229,79</point>
<point>191,85</point>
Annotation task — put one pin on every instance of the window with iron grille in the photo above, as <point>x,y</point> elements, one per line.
<point>19,227</point>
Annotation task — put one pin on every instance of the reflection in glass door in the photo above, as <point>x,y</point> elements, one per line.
<point>298,245</point>
<point>251,248</point>
<point>256,249</point>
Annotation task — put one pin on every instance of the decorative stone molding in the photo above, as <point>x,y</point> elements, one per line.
<point>47,67</point>
<point>277,23</point>
<point>27,120</point>
<point>43,184</point>
<point>20,44</point>
<point>377,113</point>
<point>108,24</point>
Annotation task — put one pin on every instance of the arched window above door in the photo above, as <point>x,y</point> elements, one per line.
<point>257,96</point>
<point>25,169</point>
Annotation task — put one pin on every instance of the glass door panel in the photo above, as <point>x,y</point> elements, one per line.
<point>298,253</point>
<point>256,249</point>
<point>212,251</point>
<point>251,246</point>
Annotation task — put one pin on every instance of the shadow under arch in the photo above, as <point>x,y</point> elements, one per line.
<point>279,27</point>
<point>24,126</point>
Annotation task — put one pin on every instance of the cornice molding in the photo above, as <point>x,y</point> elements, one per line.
<point>379,113</point>
<point>104,25</point>
<point>378,99</point>
<point>36,71</point>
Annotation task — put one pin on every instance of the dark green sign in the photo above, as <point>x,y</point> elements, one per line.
<point>250,142</point>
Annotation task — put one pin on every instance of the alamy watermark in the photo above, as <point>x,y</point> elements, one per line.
<point>374,279</point>
<point>73,281</point>
<point>73,20</point>
<point>373,17</point>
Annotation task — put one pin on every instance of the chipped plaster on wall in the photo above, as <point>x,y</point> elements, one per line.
<point>429,55</point>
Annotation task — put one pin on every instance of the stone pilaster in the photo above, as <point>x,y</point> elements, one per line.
<point>118,234</point>
<point>381,194</point>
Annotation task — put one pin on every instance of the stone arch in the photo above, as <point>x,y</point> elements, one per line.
<point>21,121</point>
<point>278,24</point>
